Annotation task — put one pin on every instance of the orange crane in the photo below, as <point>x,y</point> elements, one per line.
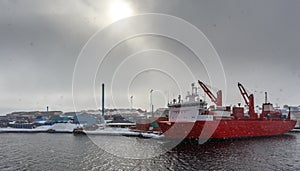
<point>217,100</point>
<point>249,100</point>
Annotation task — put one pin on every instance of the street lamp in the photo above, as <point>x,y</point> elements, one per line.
<point>131,97</point>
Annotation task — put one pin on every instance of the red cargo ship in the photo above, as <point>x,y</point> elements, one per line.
<point>192,119</point>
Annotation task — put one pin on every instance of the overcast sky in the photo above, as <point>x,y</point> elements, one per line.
<point>258,43</point>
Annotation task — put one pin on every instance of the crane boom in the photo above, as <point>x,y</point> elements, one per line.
<point>249,100</point>
<point>217,100</point>
<point>244,93</point>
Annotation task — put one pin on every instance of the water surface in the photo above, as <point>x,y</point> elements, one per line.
<point>43,151</point>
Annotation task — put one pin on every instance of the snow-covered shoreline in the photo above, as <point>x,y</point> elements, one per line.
<point>59,128</point>
<point>68,128</point>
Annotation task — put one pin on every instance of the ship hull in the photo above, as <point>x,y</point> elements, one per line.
<point>226,129</point>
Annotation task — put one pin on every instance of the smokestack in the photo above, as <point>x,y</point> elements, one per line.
<point>102,99</point>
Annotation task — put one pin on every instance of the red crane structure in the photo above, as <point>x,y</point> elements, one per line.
<point>249,100</point>
<point>217,100</point>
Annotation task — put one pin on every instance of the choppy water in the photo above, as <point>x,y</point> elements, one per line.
<point>67,152</point>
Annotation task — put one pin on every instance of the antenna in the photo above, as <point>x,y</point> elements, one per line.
<point>193,85</point>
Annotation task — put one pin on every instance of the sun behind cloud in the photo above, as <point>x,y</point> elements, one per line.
<point>120,9</point>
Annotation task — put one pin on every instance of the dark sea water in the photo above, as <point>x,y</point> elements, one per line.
<point>43,151</point>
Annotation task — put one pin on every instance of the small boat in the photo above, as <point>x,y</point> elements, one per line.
<point>78,131</point>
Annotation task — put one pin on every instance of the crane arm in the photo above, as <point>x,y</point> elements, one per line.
<point>217,100</point>
<point>244,93</point>
<point>249,100</point>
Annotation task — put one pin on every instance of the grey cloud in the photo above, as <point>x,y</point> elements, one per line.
<point>258,43</point>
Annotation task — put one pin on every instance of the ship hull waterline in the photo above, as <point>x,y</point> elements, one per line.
<point>225,129</point>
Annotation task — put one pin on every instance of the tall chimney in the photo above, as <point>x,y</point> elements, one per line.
<point>102,99</point>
